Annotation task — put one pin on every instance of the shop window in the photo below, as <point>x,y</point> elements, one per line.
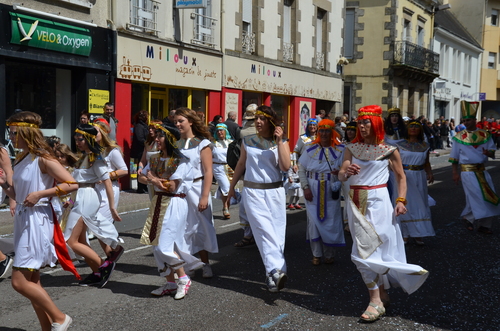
<point>177,98</point>
<point>32,88</point>
<point>280,104</point>
<point>249,98</point>
<point>199,101</point>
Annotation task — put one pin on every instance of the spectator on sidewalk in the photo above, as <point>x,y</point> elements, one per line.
<point>232,126</point>
<point>141,132</point>
<point>109,115</point>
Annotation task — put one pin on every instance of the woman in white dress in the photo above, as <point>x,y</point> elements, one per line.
<point>89,170</point>
<point>378,249</point>
<point>318,169</point>
<point>170,174</point>
<point>117,168</point>
<point>37,237</point>
<point>195,144</point>
<point>150,149</point>
<point>416,223</point>
<point>263,157</point>
<point>222,172</point>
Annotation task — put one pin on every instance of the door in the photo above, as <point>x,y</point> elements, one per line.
<point>158,106</point>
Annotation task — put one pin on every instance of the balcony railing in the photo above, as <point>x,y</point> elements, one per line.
<point>287,52</point>
<point>320,61</point>
<point>248,42</point>
<point>413,55</point>
<point>143,16</point>
<point>203,30</point>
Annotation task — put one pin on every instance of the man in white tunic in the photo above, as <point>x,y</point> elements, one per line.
<point>472,149</point>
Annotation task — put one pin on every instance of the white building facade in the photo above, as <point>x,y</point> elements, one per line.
<point>459,68</point>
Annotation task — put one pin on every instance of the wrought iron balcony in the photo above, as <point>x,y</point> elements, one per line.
<point>248,42</point>
<point>203,30</point>
<point>287,52</point>
<point>143,16</point>
<point>320,61</point>
<point>415,56</point>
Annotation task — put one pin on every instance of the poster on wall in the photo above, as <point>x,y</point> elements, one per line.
<point>97,100</point>
<point>305,113</point>
<point>232,102</point>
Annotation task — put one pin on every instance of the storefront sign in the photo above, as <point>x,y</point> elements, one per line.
<point>41,33</point>
<point>160,64</point>
<point>191,4</point>
<point>97,99</point>
<point>262,77</point>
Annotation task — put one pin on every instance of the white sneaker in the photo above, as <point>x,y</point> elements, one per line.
<point>182,289</point>
<point>167,289</point>
<point>207,271</point>
<point>62,327</point>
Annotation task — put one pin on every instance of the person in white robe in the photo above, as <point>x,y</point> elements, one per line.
<point>38,241</point>
<point>196,146</point>
<point>318,169</point>
<point>263,157</point>
<point>170,174</point>
<point>414,151</point>
<point>378,249</point>
<point>469,153</point>
<point>222,172</point>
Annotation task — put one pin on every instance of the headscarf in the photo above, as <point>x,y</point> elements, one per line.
<point>327,124</point>
<point>222,126</point>
<point>310,121</point>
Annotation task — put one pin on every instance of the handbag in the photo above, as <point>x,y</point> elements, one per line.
<point>335,194</point>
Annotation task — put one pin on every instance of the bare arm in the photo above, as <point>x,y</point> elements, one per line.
<point>5,165</point>
<point>111,199</point>
<point>206,165</point>
<point>283,150</point>
<point>428,169</point>
<point>399,174</point>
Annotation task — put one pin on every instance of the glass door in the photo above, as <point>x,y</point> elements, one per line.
<point>158,106</point>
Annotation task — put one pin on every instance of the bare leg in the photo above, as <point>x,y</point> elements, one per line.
<point>204,256</point>
<point>2,256</point>
<point>78,243</point>
<point>225,202</point>
<point>106,248</point>
<point>27,283</point>
<point>374,298</point>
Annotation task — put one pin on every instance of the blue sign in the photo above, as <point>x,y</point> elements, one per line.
<point>191,4</point>
<point>482,96</point>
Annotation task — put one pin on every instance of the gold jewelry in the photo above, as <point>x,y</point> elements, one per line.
<point>367,113</point>
<point>29,125</point>
<point>86,134</point>
<point>60,192</point>
<point>402,200</point>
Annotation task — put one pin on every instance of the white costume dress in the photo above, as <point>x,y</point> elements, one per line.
<point>221,170</point>
<point>417,221</point>
<point>166,223</point>
<point>378,250</point>
<point>200,230</point>
<point>114,160</point>
<point>33,226</point>
<point>324,215</point>
<point>265,207</point>
<point>467,151</point>
<point>151,150</point>
<point>88,201</point>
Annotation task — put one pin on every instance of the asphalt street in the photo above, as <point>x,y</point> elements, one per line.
<point>461,293</point>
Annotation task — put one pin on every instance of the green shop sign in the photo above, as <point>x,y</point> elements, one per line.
<point>40,33</point>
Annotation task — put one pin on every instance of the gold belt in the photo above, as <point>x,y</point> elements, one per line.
<point>82,185</point>
<point>262,186</point>
<point>413,167</point>
<point>472,167</point>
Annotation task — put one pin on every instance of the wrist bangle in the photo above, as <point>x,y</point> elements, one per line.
<point>402,200</point>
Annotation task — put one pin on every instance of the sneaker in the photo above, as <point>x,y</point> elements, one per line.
<point>116,254</point>
<point>90,280</point>
<point>207,271</point>
<point>271,286</point>
<point>62,327</point>
<point>182,288</point>
<point>279,278</point>
<point>5,265</point>
<point>297,206</point>
<point>106,273</point>
<point>290,206</point>
<point>166,289</point>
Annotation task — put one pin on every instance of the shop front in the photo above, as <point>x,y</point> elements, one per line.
<point>294,94</point>
<point>49,66</point>
<point>159,77</point>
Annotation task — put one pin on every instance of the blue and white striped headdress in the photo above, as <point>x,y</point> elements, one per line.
<point>222,126</point>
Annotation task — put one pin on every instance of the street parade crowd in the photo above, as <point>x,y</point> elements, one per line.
<point>380,168</point>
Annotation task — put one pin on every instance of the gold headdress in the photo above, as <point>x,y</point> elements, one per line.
<point>25,124</point>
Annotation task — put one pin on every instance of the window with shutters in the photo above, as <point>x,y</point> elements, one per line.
<point>247,34</point>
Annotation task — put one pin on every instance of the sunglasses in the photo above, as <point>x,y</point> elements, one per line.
<point>79,139</point>
<point>414,126</point>
<point>364,122</point>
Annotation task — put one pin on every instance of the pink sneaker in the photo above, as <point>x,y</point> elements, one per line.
<point>182,288</point>
<point>297,206</point>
